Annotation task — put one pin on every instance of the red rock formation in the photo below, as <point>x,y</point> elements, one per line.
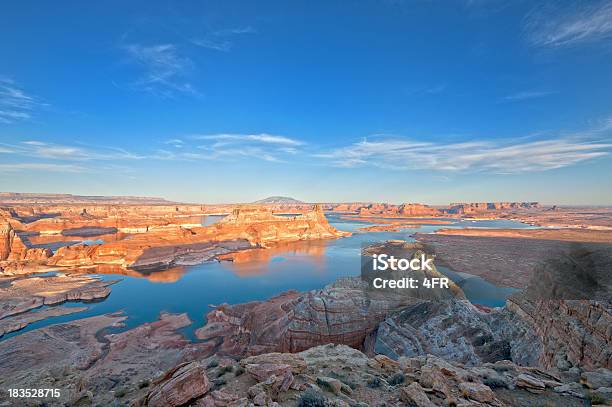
<point>14,254</point>
<point>7,235</point>
<point>417,210</point>
<point>344,312</point>
<point>573,333</point>
<point>347,207</point>
<point>246,227</point>
<point>406,209</point>
<point>478,207</point>
<point>178,386</point>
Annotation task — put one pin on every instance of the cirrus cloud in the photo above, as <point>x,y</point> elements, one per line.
<point>553,26</point>
<point>164,69</point>
<point>15,104</point>
<point>500,156</point>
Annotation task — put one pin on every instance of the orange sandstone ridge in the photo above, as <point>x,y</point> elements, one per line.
<point>174,245</point>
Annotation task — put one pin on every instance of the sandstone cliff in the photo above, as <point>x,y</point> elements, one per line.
<point>244,228</point>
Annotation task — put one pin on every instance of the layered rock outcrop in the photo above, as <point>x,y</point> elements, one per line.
<point>479,207</point>
<point>458,331</point>
<point>94,364</point>
<point>403,210</point>
<point>19,295</point>
<point>347,311</point>
<point>170,246</point>
<point>337,375</point>
<point>340,313</point>
<point>573,333</point>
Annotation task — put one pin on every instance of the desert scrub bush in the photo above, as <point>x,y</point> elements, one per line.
<point>397,378</point>
<point>374,382</point>
<point>212,363</point>
<point>595,398</point>
<point>312,398</point>
<point>119,393</point>
<point>495,383</point>
<point>218,383</point>
<point>143,384</point>
<point>239,371</point>
<point>225,369</point>
<point>325,385</point>
<point>344,379</point>
<point>501,368</point>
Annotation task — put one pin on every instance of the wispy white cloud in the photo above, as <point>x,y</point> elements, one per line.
<point>44,150</point>
<point>18,167</point>
<point>221,40</point>
<point>552,26</point>
<point>526,95</point>
<point>164,69</point>
<point>500,156</point>
<point>175,142</point>
<point>15,104</point>
<point>260,138</point>
<point>263,146</point>
<point>267,147</point>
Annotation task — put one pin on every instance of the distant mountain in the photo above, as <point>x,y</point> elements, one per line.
<point>44,198</point>
<point>279,200</point>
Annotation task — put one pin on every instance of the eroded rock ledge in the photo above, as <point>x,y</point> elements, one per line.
<point>160,248</point>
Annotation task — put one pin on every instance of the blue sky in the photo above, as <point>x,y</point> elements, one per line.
<point>223,101</point>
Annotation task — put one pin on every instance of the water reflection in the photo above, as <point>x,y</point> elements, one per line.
<point>259,261</point>
<point>251,275</point>
<point>171,275</point>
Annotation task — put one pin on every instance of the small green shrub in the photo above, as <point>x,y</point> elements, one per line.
<point>374,382</point>
<point>397,378</point>
<point>501,368</point>
<point>224,370</point>
<point>344,379</point>
<point>212,363</point>
<point>217,383</point>
<point>495,383</point>
<point>325,385</point>
<point>120,392</point>
<point>312,398</point>
<point>595,398</point>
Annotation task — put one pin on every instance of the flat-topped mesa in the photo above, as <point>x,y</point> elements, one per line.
<point>249,214</point>
<point>261,227</point>
<point>405,209</point>
<point>245,227</point>
<point>475,207</point>
<point>417,209</point>
<point>60,219</point>
<point>347,207</point>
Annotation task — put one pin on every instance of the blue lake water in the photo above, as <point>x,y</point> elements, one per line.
<point>301,266</point>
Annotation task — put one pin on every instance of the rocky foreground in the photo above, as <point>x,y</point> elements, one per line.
<point>337,375</point>
<point>153,365</point>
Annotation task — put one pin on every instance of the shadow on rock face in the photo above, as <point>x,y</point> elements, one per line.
<point>573,271</point>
